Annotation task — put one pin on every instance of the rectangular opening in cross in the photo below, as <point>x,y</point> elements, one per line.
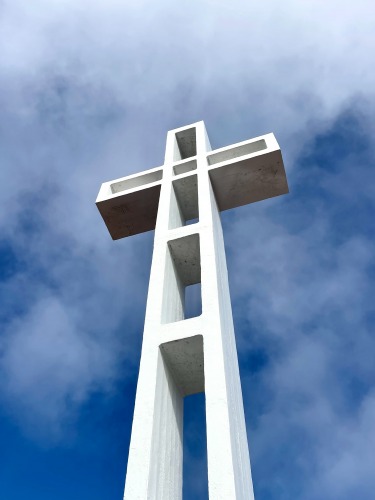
<point>181,384</point>
<point>236,152</point>
<point>193,300</point>
<point>184,202</point>
<point>185,144</point>
<point>137,181</point>
<point>182,269</point>
<point>195,480</point>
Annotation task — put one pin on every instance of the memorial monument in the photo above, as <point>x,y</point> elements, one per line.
<point>182,201</point>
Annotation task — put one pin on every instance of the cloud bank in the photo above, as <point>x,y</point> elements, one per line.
<point>88,92</point>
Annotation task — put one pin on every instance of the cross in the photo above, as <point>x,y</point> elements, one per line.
<point>184,355</point>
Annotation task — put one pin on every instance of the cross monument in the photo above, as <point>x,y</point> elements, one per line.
<point>182,201</point>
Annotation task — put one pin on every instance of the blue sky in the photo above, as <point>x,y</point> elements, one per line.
<point>87,94</point>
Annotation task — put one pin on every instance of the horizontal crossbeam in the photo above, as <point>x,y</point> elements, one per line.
<point>240,174</point>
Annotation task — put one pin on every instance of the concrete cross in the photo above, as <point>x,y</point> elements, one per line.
<point>181,200</point>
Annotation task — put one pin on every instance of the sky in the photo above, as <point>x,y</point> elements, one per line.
<point>88,91</point>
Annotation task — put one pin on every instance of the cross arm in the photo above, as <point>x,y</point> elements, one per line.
<point>129,205</point>
<point>246,172</point>
<point>242,173</point>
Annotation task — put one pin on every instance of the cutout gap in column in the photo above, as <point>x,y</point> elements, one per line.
<point>195,476</point>
<point>182,269</point>
<point>185,144</point>
<point>193,301</point>
<point>184,209</point>
<point>185,361</point>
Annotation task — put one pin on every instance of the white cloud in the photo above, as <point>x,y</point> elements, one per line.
<point>48,367</point>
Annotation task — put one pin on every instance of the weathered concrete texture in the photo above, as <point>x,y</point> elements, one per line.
<point>184,166</point>
<point>186,192</point>
<point>244,174</point>
<point>185,360</point>
<point>186,144</point>
<point>185,356</point>
<point>129,206</point>
<point>185,254</point>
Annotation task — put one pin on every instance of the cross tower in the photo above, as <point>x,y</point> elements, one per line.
<point>181,200</point>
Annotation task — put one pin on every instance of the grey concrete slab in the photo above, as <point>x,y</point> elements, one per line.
<point>131,213</point>
<point>239,181</point>
<point>185,361</point>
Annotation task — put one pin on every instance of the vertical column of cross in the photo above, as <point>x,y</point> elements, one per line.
<point>229,472</point>
<point>165,475</point>
<point>155,455</point>
<point>154,469</point>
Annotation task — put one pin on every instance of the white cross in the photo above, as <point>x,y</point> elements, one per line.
<point>181,200</point>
